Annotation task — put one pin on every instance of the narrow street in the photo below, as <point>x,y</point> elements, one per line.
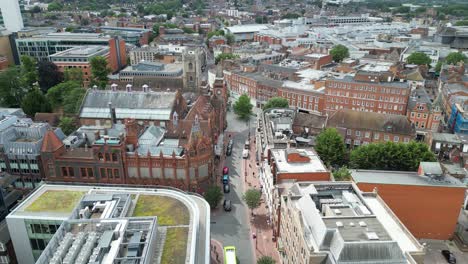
<point>232,228</point>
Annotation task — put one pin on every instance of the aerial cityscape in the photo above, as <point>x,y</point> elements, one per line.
<point>233,132</point>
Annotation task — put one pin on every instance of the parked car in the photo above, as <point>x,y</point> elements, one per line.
<point>226,188</point>
<point>245,154</point>
<point>225,179</point>
<point>227,205</point>
<point>228,151</point>
<point>225,170</point>
<point>247,144</point>
<point>230,143</point>
<point>449,256</point>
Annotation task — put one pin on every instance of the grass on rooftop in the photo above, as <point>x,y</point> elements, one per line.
<point>56,201</point>
<point>175,246</point>
<point>169,211</point>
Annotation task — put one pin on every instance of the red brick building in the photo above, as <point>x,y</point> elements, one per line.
<point>367,91</point>
<point>427,205</point>
<point>424,114</point>
<point>361,128</point>
<point>4,63</point>
<point>304,97</point>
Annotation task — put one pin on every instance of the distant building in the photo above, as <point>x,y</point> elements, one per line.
<point>158,76</point>
<point>407,194</point>
<point>131,35</point>
<point>95,224</point>
<point>458,120</point>
<point>361,128</point>
<point>10,15</point>
<point>41,47</point>
<point>424,114</point>
<point>456,37</point>
<point>245,32</point>
<point>80,58</point>
<point>367,92</point>
<point>324,222</point>
<point>7,46</point>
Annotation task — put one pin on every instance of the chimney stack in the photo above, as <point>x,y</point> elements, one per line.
<point>129,87</point>
<point>145,88</point>
<point>114,87</point>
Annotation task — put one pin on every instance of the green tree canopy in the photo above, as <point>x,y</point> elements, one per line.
<point>252,198</point>
<point>461,23</point>
<point>12,89</point>
<point>35,102</point>
<point>213,196</point>
<point>56,95</point>
<point>54,6</point>
<point>165,25</point>
<point>99,71</point>
<point>290,16</point>
<point>68,125</point>
<point>266,260</point>
<point>29,73</point>
<point>342,174</point>
<point>243,107</point>
<point>73,74</point>
<point>276,102</point>
<point>230,39</point>
<point>225,56</point>
<point>330,147</point>
<point>72,101</point>
<point>455,57</point>
<point>339,52</point>
<point>418,58</point>
<point>261,20</point>
<point>49,75</point>
<point>391,156</point>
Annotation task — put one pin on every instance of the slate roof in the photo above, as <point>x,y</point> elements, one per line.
<point>419,96</point>
<point>310,120</point>
<point>350,119</point>
<point>139,105</point>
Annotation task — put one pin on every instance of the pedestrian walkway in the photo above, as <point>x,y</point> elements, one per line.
<point>260,225</point>
<point>216,252</point>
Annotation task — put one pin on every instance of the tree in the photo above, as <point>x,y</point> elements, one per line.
<point>56,94</point>
<point>261,20</point>
<point>165,25</point>
<point>391,156</point>
<point>276,102</point>
<point>99,71</point>
<point>230,38</point>
<point>36,9</point>
<point>266,260</point>
<point>330,147</point>
<point>418,58</point>
<point>73,74</point>
<point>12,89</point>
<point>213,196</point>
<point>243,107</point>
<point>252,198</point>
<point>225,56</point>
<point>342,174</point>
<point>49,75</point>
<point>54,6</point>
<point>68,125</point>
<point>461,23</point>
<point>72,100</point>
<point>35,102</point>
<point>188,30</point>
<point>290,16</point>
<point>455,57</point>
<point>438,66</point>
<point>339,52</point>
<point>29,73</point>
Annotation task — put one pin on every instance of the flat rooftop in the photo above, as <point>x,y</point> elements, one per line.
<point>82,52</point>
<point>403,178</point>
<point>87,210</point>
<point>313,165</point>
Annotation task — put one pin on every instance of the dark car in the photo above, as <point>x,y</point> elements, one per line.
<point>227,205</point>
<point>228,151</point>
<point>226,188</point>
<point>449,256</point>
<point>230,143</point>
<point>225,179</point>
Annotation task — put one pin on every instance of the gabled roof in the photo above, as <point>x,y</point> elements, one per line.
<point>51,142</point>
<point>351,119</point>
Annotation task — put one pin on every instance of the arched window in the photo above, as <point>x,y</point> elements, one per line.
<point>190,66</point>
<point>114,157</point>
<point>100,156</point>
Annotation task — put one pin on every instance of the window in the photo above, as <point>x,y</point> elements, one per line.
<point>107,157</point>
<point>109,173</point>
<point>102,171</point>
<point>100,156</point>
<point>90,172</point>
<point>396,138</point>
<point>83,172</point>
<point>349,132</point>
<point>367,134</point>
<point>64,171</point>
<point>412,114</point>
<point>116,174</point>
<point>386,137</point>
<point>406,140</point>
<point>114,156</point>
<point>358,133</point>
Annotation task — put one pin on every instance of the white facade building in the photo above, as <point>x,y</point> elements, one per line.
<point>11,14</point>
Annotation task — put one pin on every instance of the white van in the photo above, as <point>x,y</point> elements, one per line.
<point>245,153</point>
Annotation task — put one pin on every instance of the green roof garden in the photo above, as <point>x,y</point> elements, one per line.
<point>169,211</point>
<point>175,245</point>
<point>55,201</point>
